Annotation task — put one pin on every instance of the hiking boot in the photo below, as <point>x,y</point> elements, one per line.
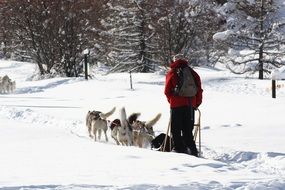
<point>179,151</point>
<point>191,153</point>
<point>195,154</point>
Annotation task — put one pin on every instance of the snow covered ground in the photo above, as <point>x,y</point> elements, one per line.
<point>44,142</point>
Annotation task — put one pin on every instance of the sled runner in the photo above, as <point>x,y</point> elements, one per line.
<point>197,132</point>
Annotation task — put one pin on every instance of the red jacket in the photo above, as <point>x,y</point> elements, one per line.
<point>170,83</point>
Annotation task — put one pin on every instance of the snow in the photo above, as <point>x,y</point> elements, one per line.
<point>86,51</point>
<point>44,142</point>
<point>279,73</point>
<point>222,35</point>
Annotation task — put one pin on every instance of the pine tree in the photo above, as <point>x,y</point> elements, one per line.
<point>133,46</point>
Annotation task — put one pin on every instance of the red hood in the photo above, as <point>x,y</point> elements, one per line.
<point>178,63</point>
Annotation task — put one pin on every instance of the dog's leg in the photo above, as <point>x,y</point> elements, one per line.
<point>99,134</point>
<point>124,142</point>
<point>106,137</point>
<point>95,133</point>
<point>135,138</point>
<point>130,141</point>
<point>114,133</point>
<point>131,138</point>
<point>140,141</point>
<point>116,140</point>
<point>89,124</point>
<point>105,131</point>
<point>127,142</point>
<point>90,131</point>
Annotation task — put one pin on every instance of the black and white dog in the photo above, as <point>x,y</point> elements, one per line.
<point>158,143</point>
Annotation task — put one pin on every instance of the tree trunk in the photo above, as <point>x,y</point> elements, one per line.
<point>260,63</point>
<point>260,59</point>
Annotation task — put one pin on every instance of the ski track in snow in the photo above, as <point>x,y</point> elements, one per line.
<point>255,162</point>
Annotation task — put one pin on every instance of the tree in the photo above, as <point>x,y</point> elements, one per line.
<point>130,28</point>
<point>53,32</point>
<point>130,35</point>
<point>5,36</point>
<point>187,27</point>
<point>255,36</point>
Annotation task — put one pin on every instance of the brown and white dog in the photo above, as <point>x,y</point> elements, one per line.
<point>121,130</point>
<point>114,126</point>
<point>143,132</point>
<point>125,132</point>
<point>96,122</point>
<point>131,131</point>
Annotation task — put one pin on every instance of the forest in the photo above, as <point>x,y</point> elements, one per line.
<point>247,36</point>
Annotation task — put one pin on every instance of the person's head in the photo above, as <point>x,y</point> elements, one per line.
<point>178,56</point>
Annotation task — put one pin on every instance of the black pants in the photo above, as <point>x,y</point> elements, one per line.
<point>182,125</point>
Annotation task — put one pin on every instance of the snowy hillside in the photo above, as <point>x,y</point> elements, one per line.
<point>44,142</point>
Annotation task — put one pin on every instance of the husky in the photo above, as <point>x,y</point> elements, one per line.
<point>7,85</point>
<point>121,130</point>
<point>96,121</point>
<point>122,134</point>
<point>143,132</point>
<point>12,86</point>
<point>130,131</point>
<point>114,126</point>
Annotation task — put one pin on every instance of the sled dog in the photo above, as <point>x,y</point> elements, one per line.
<point>143,132</point>
<point>130,131</point>
<point>124,133</point>
<point>158,143</point>
<point>96,122</point>
<point>114,126</point>
<point>7,85</point>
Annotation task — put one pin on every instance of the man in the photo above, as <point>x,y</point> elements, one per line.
<point>182,109</point>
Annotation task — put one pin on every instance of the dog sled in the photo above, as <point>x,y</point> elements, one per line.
<point>167,143</point>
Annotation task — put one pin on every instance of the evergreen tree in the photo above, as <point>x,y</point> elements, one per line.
<point>130,27</point>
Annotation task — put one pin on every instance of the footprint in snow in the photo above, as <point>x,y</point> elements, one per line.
<point>206,127</point>
<point>233,125</point>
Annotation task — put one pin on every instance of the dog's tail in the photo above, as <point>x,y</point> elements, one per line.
<point>105,115</point>
<point>153,121</point>
<point>133,117</point>
<point>87,117</point>
<point>123,117</point>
